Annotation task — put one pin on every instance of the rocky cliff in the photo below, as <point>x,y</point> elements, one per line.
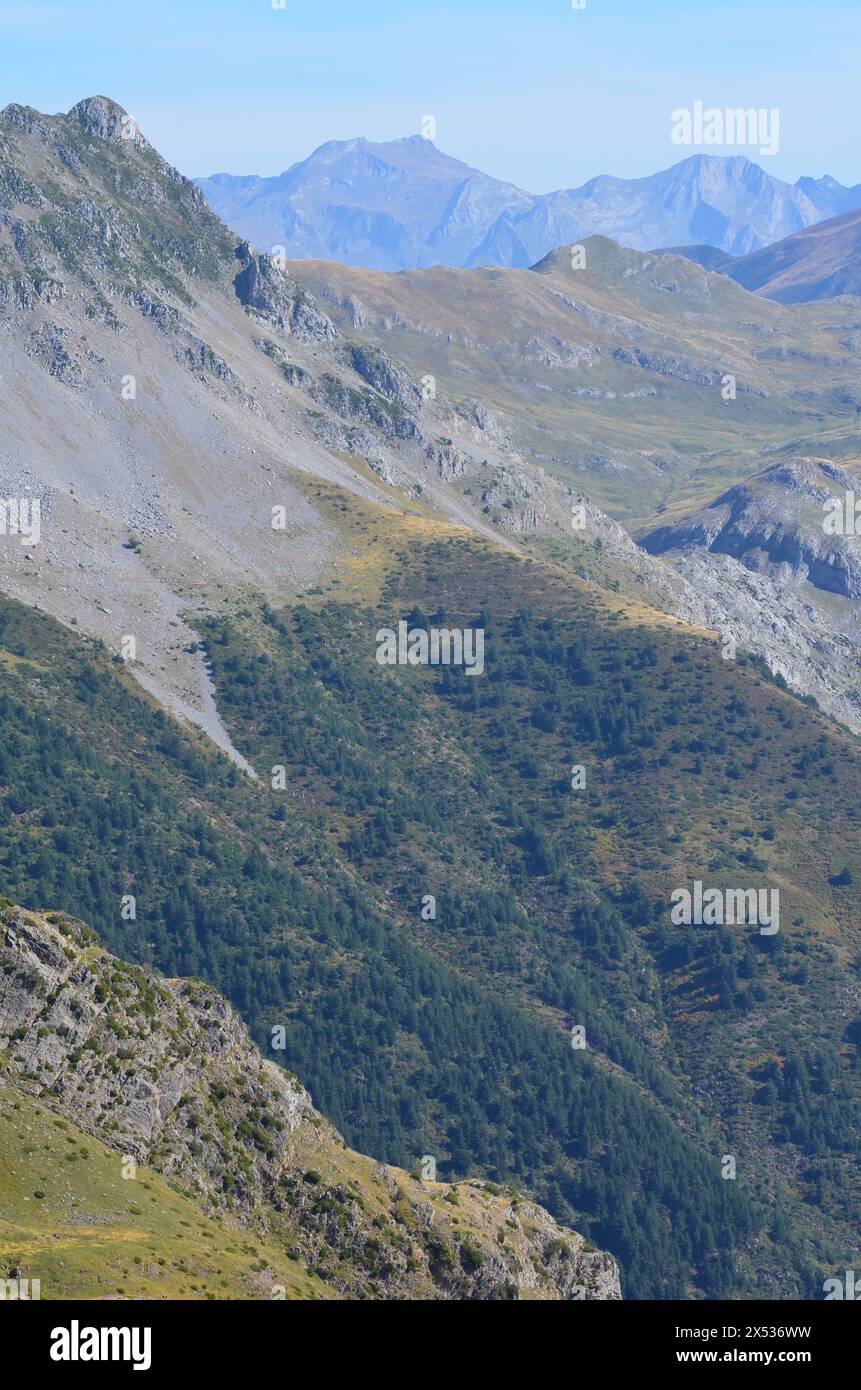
<point>164,1073</point>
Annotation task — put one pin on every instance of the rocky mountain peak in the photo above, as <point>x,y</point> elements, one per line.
<point>404,203</point>
<point>106,120</point>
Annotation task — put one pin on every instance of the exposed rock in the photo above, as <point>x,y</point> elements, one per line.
<point>365,406</point>
<point>515,500</point>
<point>261,286</point>
<point>50,345</point>
<point>106,120</point>
<point>49,290</point>
<point>164,1072</point>
<point>378,369</point>
<point>450,462</point>
<point>165,316</point>
<point>774,519</point>
<point>26,119</point>
<point>201,358</point>
<point>757,563</point>
<point>296,375</point>
<point>484,423</point>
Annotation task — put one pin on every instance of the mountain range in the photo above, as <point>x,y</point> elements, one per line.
<point>614,466</point>
<point>404,203</point>
<point>546,383</point>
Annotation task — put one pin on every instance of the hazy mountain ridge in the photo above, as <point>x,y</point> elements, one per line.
<point>404,203</point>
<point>816,263</point>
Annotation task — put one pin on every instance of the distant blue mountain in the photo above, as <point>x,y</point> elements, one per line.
<point>405,203</point>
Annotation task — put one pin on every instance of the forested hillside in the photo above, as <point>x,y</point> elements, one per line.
<point>451,1034</point>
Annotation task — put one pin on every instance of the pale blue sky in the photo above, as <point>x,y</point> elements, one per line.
<point>528,90</point>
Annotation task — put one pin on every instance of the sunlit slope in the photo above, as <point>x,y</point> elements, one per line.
<point>164,1073</point>
<point>72,1220</point>
<point>608,370</point>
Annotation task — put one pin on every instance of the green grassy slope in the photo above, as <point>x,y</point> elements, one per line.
<point>610,376</point>
<point>70,1219</point>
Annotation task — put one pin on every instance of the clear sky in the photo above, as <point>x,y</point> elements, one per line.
<point>532,91</point>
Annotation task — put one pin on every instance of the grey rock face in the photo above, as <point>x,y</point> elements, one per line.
<point>163,1071</point>
<point>165,1064</point>
<point>363,406</point>
<point>775,519</point>
<point>449,461</point>
<point>106,120</point>
<point>261,286</point>
<point>378,369</point>
<point>756,563</point>
<point>51,345</point>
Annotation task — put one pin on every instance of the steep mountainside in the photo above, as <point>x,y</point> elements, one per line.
<point>164,389</point>
<point>312,453</point>
<point>406,204</point>
<point>648,385</point>
<point>163,1073</point>
<point>172,399</point>
<point>302,897</point>
<point>816,263</point>
<point>759,553</point>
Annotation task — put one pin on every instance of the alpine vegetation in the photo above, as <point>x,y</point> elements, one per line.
<point>436,646</point>
<point>718,907</point>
